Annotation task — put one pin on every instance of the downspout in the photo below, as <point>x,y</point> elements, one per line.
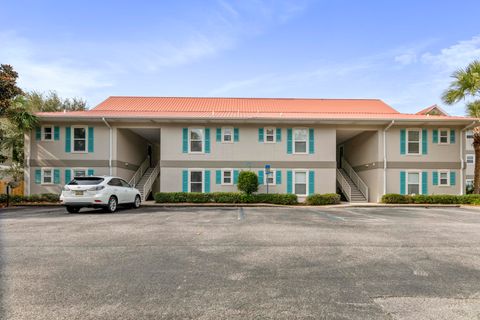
<point>385,156</point>
<point>110,146</point>
<point>462,164</point>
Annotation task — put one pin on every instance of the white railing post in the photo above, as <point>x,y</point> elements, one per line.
<point>139,173</point>
<point>361,185</point>
<point>347,190</point>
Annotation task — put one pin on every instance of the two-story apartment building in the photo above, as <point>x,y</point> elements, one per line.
<point>364,148</point>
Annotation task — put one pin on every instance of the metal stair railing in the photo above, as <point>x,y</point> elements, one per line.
<point>139,173</point>
<point>147,186</point>
<point>362,186</point>
<point>344,185</point>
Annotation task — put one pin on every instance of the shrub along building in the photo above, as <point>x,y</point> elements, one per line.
<point>363,148</point>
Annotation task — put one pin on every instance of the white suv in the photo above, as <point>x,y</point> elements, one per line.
<point>99,192</point>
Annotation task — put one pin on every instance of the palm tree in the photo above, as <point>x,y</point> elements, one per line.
<point>466,84</point>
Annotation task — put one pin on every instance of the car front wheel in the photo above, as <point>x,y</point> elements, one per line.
<point>73,209</point>
<point>112,204</point>
<point>137,202</point>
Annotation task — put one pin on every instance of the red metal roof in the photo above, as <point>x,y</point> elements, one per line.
<point>243,108</point>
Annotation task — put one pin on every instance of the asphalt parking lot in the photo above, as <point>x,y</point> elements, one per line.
<point>232,263</point>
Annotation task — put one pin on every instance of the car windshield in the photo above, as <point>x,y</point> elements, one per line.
<point>85,181</point>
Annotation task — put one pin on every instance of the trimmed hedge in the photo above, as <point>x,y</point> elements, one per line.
<point>44,197</point>
<point>431,199</point>
<point>224,197</point>
<point>323,199</point>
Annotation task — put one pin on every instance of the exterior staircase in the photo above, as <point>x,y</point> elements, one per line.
<point>144,177</point>
<point>354,189</point>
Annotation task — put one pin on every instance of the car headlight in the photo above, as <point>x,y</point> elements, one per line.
<point>65,188</point>
<point>97,188</point>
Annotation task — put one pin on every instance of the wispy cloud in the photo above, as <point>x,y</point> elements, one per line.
<point>455,56</point>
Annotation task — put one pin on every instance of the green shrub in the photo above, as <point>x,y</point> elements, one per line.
<point>323,199</point>
<point>33,198</point>
<point>396,198</point>
<point>432,199</point>
<point>247,182</point>
<point>50,197</point>
<point>44,197</point>
<point>225,197</point>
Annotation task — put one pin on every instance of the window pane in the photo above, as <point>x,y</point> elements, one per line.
<point>47,133</point>
<point>79,145</point>
<point>196,146</point>
<point>195,187</point>
<point>79,133</point>
<point>300,134</point>
<point>79,173</point>
<point>270,138</point>
<point>413,178</point>
<point>196,134</point>
<point>300,147</point>
<point>300,188</point>
<point>196,176</point>
<point>413,135</point>
<point>300,177</point>
<point>413,147</point>
<point>413,189</point>
<point>227,177</point>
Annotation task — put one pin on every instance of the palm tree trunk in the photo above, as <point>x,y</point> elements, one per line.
<point>476,147</point>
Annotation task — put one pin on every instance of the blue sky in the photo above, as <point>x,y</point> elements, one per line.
<point>401,51</point>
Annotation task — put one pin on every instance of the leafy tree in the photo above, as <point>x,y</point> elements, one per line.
<point>466,84</point>
<point>8,87</point>
<point>247,182</point>
<point>51,102</point>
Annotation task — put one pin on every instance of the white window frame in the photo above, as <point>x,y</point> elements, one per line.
<point>419,181</point>
<point>189,179</point>
<point>472,156</point>
<point>440,136</point>
<point>79,169</point>
<point>43,133</point>
<point>73,139</point>
<point>274,135</point>
<point>306,182</point>
<point>223,134</point>
<point>447,172</point>
<point>468,182</point>
<point>52,176</point>
<point>272,174</point>
<point>469,134</point>
<point>419,142</point>
<point>223,177</point>
<point>190,140</point>
<point>307,146</point>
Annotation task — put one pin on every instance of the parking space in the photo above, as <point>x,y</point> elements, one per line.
<point>240,263</point>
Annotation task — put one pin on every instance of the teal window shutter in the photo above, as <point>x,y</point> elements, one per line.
<point>403,178</point>
<point>278,133</point>
<point>68,175</point>
<point>56,133</point>
<point>218,134</point>
<point>260,134</point>
<point>311,182</point>
<point>452,136</point>
<point>38,176</point>
<point>403,142</point>
<point>185,140</point>
<point>207,140</point>
<point>235,176</point>
<point>236,134</point>
<point>90,139</point>
<point>38,133</point>
<point>185,180</point>
<point>435,178</point>
<point>435,136</point>
<point>311,141</point>
<point>424,141</point>
<point>56,176</point>
<point>260,177</point>
<point>289,181</point>
<point>289,140</point>
<point>207,180</point>
<point>218,177</point>
<point>278,177</point>
<point>453,177</point>
<point>90,172</point>
<point>424,182</point>
<point>68,139</point>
